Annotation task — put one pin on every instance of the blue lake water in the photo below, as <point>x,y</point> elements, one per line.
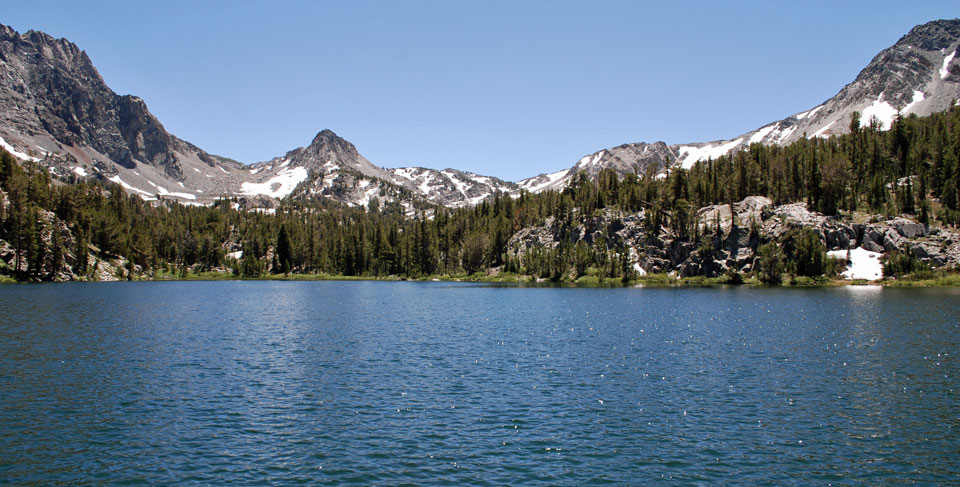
<point>393,383</point>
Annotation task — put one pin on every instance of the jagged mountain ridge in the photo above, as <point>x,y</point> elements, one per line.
<point>332,167</point>
<point>920,75</point>
<point>56,108</point>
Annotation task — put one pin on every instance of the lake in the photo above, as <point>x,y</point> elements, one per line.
<point>392,383</point>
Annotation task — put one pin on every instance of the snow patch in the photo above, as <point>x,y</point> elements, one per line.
<point>483,180</point>
<point>116,179</point>
<point>784,134</point>
<point>690,155</point>
<point>14,152</point>
<point>886,113</point>
<point>278,186</point>
<point>863,263</point>
<point>222,169</point>
<point>945,69</point>
<point>425,185</point>
<point>918,97</point>
<point>533,186</point>
<point>254,171</point>
<point>597,157</point>
<point>592,159</point>
<point>367,196</point>
<point>460,185</point>
<point>406,172</point>
<point>880,110</point>
<point>163,192</point>
<point>80,171</point>
<point>758,137</point>
<point>235,255</point>
<point>285,163</point>
<point>820,133</point>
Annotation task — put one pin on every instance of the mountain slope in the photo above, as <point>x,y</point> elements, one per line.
<point>56,108</point>
<point>920,74</point>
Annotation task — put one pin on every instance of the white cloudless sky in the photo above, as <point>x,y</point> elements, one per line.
<point>508,89</point>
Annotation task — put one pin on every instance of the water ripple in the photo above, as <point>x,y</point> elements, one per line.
<point>436,384</point>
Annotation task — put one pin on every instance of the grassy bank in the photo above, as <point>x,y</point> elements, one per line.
<point>922,279</point>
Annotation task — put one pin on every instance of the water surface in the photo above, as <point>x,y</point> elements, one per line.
<point>375,383</point>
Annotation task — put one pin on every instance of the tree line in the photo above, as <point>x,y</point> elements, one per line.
<point>910,169</point>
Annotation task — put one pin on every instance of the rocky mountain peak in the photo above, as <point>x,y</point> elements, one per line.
<point>45,49</point>
<point>932,36</point>
<point>898,73</point>
<point>327,140</point>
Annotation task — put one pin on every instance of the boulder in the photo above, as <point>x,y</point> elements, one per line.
<point>909,229</point>
<point>872,234</point>
<point>891,241</point>
<point>872,246</point>
<point>839,236</point>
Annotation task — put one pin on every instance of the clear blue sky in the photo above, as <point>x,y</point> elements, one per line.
<point>509,89</point>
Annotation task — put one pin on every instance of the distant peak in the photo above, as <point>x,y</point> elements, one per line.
<point>327,139</point>
<point>325,136</point>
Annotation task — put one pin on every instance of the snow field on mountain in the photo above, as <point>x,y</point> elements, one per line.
<point>885,112</point>
<point>278,186</point>
<point>945,69</point>
<point>9,148</point>
<point>690,155</point>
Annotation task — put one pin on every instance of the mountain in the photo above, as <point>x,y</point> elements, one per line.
<point>56,109</point>
<point>918,75</point>
<point>332,167</point>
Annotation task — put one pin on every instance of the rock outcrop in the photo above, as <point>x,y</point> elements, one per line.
<point>729,239</point>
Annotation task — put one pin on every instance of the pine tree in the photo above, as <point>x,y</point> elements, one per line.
<point>282,256</point>
<point>56,250</point>
<point>37,248</point>
<point>770,263</point>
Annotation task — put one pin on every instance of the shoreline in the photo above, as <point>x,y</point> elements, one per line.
<point>653,280</point>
